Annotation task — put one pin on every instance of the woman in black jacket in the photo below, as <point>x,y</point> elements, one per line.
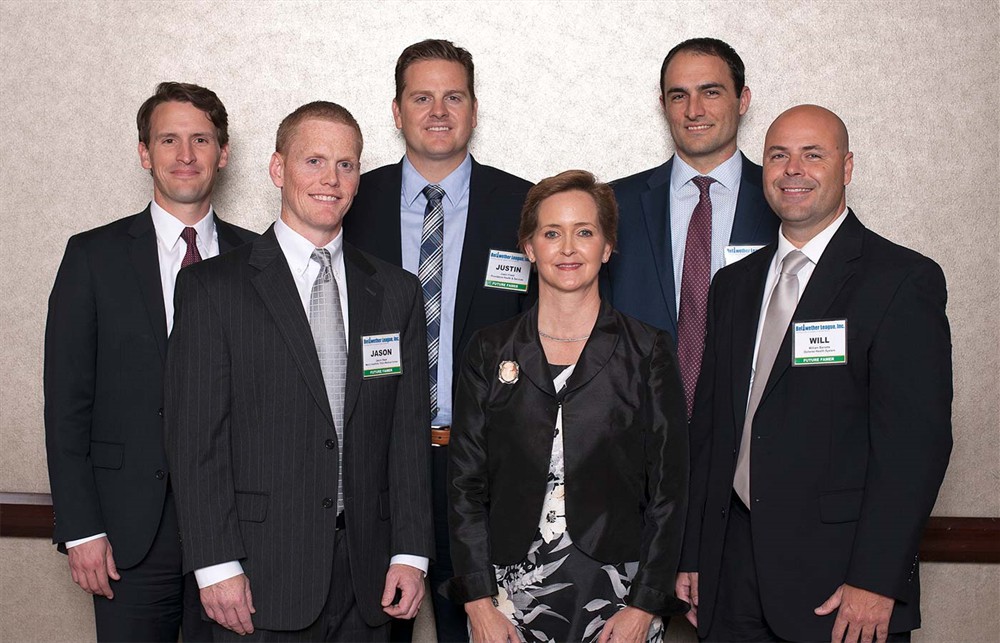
<point>569,453</point>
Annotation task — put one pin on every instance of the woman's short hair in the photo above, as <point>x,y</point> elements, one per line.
<point>568,181</point>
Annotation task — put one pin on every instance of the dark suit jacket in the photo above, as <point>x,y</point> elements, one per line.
<point>251,438</point>
<point>495,201</point>
<point>626,450</point>
<point>639,278</point>
<point>846,459</point>
<point>105,346</point>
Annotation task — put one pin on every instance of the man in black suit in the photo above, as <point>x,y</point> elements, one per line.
<point>470,233</point>
<point>822,427</point>
<point>110,313</point>
<point>703,209</point>
<point>297,413</point>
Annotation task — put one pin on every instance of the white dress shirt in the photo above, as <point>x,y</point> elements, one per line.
<point>813,250</point>
<point>170,251</point>
<point>298,254</point>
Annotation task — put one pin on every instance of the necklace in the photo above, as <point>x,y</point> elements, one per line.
<point>562,339</point>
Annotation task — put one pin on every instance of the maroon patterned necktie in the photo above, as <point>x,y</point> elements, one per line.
<point>695,280</point>
<point>190,236</point>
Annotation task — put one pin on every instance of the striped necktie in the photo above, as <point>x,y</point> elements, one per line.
<point>430,274</point>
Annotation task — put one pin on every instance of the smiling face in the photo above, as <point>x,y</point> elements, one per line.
<point>184,158</point>
<point>703,109</point>
<point>436,113</point>
<point>807,165</point>
<point>318,175</point>
<point>568,247</point>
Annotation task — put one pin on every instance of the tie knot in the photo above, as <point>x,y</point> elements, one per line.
<point>433,193</point>
<point>189,235</point>
<point>793,262</point>
<point>703,182</point>
<point>322,257</point>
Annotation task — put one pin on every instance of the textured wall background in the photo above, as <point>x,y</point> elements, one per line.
<point>560,85</point>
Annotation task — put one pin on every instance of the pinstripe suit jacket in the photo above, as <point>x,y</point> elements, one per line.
<point>251,439</point>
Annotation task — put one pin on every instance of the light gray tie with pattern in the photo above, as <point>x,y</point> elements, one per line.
<point>784,299</point>
<point>327,322</point>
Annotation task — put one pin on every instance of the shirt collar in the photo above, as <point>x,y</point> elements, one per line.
<point>298,250</point>
<point>455,185</point>
<point>814,247</point>
<point>168,227</point>
<point>727,174</point>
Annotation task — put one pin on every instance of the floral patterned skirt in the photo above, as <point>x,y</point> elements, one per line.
<point>558,593</point>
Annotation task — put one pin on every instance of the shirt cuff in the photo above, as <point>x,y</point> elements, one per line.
<point>73,543</point>
<point>420,562</point>
<point>217,573</point>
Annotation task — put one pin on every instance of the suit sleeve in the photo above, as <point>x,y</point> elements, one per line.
<point>910,393</point>
<point>666,461</point>
<point>409,448</point>
<point>700,435</point>
<point>69,384</point>
<point>197,399</point>
<point>468,484</point>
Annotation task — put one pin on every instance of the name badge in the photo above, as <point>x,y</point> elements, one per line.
<point>735,253</point>
<point>508,270</point>
<point>380,355</point>
<point>819,343</point>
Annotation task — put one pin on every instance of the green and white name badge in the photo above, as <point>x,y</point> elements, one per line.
<point>819,343</point>
<point>380,355</point>
<point>508,271</point>
<point>735,253</point>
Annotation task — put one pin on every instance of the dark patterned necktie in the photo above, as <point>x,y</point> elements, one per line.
<point>430,274</point>
<point>695,279</point>
<point>190,236</point>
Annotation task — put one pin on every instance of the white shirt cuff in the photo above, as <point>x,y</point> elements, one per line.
<point>73,543</point>
<point>419,562</point>
<point>217,573</point>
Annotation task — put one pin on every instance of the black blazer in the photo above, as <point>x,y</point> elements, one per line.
<point>495,201</point>
<point>251,438</point>
<point>644,242</point>
<point>847,459</point>
<point>626,450</point>
<point>105,345</point>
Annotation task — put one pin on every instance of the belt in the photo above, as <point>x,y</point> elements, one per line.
<point>340,521</point>
<point>440,436</point>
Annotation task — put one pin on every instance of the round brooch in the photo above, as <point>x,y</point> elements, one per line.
<point>509,372</point>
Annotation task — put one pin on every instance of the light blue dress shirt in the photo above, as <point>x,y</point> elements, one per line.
<point>412,204</point>
<point>683,199</point>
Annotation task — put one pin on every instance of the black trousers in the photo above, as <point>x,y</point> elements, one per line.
<point>449,618</point>
<point>340,619</point>
<point>739,615</point>
<point>153,600</point>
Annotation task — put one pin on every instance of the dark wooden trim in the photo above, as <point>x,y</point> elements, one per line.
<point>946,540</point>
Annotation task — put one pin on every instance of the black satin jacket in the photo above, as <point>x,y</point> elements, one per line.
<point>626,455</point>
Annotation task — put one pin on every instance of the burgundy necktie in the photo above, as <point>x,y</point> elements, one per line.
<point>191,256</point>
<point>695,280</point>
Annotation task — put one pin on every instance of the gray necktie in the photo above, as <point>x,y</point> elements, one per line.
<point>784,299</point>
<point>327,322</point>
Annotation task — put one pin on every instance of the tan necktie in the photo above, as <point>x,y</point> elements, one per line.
<point>784,299</point>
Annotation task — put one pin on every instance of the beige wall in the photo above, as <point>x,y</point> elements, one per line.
<point>561,84</point>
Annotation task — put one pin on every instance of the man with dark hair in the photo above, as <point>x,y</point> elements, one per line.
<point>110,313</point>
<point>297,411</point>
<point>443,216</point>
<point>702,209</point>
<point>822,426</point>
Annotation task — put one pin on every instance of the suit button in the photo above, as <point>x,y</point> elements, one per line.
<point>159,411</point>
<point>330,444</point>
<point>723,512</point>
<point>160,474</point>
<point>327,503</point>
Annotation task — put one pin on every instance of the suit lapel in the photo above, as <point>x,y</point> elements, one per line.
<point>598,350</point>
<point>145,261</point>
<point>277,290</point>
<point>386,208</point>
<point>529,355</point>
<point>364,296</point>
<point>835,268</point>
<point>656,211</point>
<point>745,318</point>
<point>228,239</point>
<point>752,213</point>
<point>475,247</point>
